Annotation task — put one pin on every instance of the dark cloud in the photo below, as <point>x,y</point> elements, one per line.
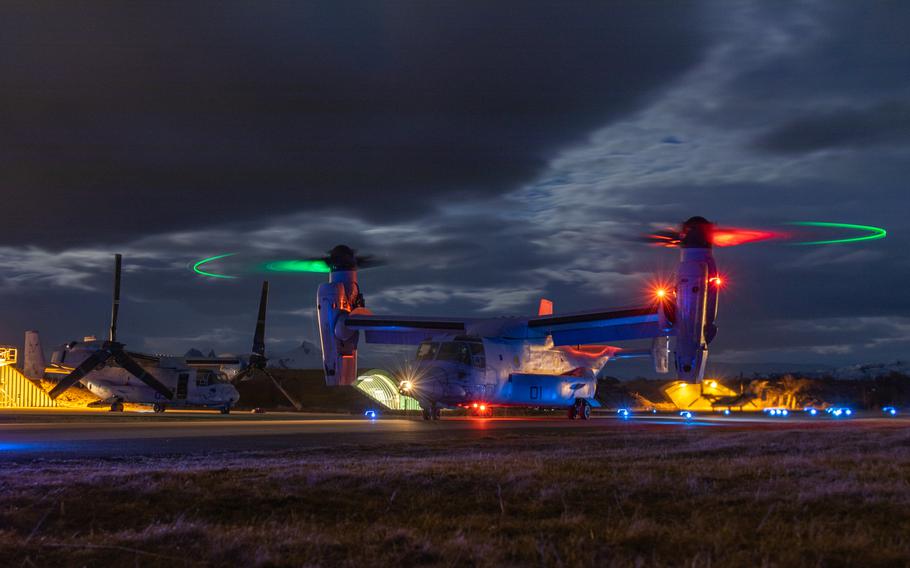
<point>130,119</point>
<point>884,124</point>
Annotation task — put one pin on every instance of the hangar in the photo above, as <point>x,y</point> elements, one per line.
<point>380,386</point>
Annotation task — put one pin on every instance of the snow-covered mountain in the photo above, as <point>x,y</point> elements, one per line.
<point>306,356</point>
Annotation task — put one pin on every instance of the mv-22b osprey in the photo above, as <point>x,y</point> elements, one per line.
<point>117,376</point>
<point>547,361</point>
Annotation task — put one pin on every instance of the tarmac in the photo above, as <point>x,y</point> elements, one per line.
<point>46,434</point>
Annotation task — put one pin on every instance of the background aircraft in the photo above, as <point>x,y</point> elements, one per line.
<point>544,361</point>
<point>117,376</point>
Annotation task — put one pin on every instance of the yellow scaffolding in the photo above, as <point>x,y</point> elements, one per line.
<point>16,391</point>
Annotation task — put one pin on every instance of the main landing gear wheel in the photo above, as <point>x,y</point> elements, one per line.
<point>225,409</point>
<point>117,407</point>
<point>581,410</point>
<point>426,413</point>
<point>158,408</point>
<point>585,411</point>
<point>436,412</point>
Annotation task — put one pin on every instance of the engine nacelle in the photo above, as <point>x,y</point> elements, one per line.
<point>696,300</point>
<point>335,300</point>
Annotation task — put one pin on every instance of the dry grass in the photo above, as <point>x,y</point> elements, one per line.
<point>694,497</point>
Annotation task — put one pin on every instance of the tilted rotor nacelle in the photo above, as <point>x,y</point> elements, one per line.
<point>697,286</point>
<point>335,301</point>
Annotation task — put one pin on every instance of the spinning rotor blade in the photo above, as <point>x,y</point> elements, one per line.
<point>318,265</point>
<point>115,308</point>
<point>719,236</point>
<point>666,238</point>
<point>340,258</point>
<point>133,368</point>
<point>369,261</point>
<point>94,361</point>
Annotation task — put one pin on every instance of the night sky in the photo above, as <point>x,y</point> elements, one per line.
<point>492,153</point>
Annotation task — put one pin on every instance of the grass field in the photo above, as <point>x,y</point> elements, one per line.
<point>679,496</point>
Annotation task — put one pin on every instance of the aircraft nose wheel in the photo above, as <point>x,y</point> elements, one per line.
<point>117,407</point>
<point>158,408</point>
<point>581,410</point>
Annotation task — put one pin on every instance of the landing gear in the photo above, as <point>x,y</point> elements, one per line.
<point>431,413</point>
<point>117,406</point>
<point>226,409</point>
<point>581,410</point>
<point>158,408</point>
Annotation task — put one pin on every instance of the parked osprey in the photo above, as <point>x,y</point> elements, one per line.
<point>545,361</point>
<point>117,376</point>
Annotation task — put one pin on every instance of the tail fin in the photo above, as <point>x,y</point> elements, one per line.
<point>33,364</point>
<point>545,308</point>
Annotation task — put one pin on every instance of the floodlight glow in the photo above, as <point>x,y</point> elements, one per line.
<point>298,266</point>
<point>204,261</point>
<point>873,232</point>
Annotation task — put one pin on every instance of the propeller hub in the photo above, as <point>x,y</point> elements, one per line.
<point>697,232</point>
<point>342,257</point>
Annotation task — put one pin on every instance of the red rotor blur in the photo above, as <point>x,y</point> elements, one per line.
<point>721,236</point>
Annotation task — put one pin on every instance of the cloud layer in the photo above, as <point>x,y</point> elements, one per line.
<point>492,156</point>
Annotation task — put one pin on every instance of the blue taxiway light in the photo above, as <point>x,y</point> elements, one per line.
<point>686,414</point>
<point>624,413</point>
<point>371,414</point>
<point>838,411</point>
<point>727,412</point>
<point>890,410</point>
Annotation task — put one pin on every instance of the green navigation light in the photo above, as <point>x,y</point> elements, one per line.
<point>873,232</point>
<point>297,266</point>
<point>198,270</point>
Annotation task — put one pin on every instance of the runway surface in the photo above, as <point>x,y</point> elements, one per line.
<point>27,435</point>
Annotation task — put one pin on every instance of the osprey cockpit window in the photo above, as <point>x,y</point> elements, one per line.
<point>427,351</point>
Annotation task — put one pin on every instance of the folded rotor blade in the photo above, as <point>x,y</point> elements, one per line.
<point>115,306</point>
<point>259,334</point>
<point>133,368</point>
<point>287,395</point>
<point>95,360</point>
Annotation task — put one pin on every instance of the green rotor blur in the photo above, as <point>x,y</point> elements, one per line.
<point>313,265</point>
<point>872,233</point>
<point>197,267</point>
